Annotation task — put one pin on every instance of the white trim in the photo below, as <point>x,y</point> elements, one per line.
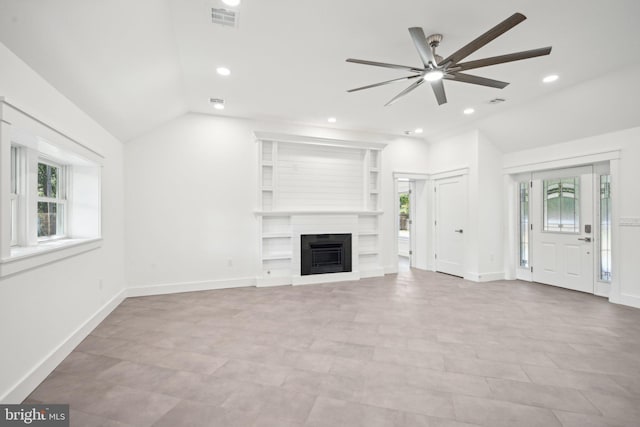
<point>371,272</point>
<point>33,378</point>
<point>334,212</point>
<point>20,118</point>
<point>450,173</point>
<point>411,175</point>
<point>300,139</point>
<point>484,277</point>
<point>174,288</point>
<point>624,299</point>
<point>583,159</point>
<point>314,279</point>
<point>30,257</point>
<point>268,281</point>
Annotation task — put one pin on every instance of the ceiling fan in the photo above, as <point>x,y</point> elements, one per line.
<point>435,69</point>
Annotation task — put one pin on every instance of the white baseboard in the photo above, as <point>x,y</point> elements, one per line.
<point>314,279</point>
<point>630,300</point>
<point>174,288</point>
<point>484,277</point>
<point>262,282</point>
<point>371,272</point>
<point>391,269</point>
<point>31,380</point>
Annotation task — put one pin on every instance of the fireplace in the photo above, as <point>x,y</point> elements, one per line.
<point>325,253</point>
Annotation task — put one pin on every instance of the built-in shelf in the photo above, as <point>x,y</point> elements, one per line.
<point>275,235</point>
<point>276,256</point>
<point>279,224</point>
<point>367,252</point>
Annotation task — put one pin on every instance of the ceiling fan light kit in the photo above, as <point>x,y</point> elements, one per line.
<point>435,68</point>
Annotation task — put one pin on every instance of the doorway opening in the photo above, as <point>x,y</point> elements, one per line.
<point>405,204</point>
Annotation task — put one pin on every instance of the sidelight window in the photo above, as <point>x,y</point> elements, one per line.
<point>605,227</point>
<point>523,214</point>
<point>562,205</point>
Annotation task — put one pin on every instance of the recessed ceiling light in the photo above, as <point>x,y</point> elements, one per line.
<point>231,3</point>
<point>419,130</point>
<point>332,120</point>
<point>223,71</point>
<point>550,78</point>
<point>433,75</point>
<point>469,111</point>
<point>218,103</point>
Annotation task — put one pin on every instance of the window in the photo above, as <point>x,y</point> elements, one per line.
<point>51,200</point>
<point>523,213</point>
<point>562,205</point>
<point>605,228</point>
<point>13,196</point>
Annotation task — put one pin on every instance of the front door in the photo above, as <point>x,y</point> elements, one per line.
<point>451,210</point>
<point>563,229</point>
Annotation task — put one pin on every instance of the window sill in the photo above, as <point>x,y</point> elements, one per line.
<point>26,258</point>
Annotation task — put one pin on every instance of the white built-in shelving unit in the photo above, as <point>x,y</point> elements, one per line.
<point>314,185</point>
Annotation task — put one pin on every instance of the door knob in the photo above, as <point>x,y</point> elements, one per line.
<point>458,231</point>
<point>586,239</point>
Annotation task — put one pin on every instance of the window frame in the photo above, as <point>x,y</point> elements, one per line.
<point>577,185</point>
<point>60,199</point>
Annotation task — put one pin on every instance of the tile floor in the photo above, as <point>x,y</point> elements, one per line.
<point>413,349</point>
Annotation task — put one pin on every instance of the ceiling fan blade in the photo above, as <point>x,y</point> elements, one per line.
<point>420,40</point>
<point>503,58</point>
<point>383,83</point>
<point>385,65</point>
<point>476,80</point>
<point>490,35</point>
<point>404,92</point>
<point>438,90</point>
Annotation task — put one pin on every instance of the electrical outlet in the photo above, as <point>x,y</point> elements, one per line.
<point>229,262</point>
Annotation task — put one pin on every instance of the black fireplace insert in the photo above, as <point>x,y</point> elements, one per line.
<point>325,253</point>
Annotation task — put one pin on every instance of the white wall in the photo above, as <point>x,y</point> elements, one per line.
<point>191,194</point>
<point>483,232</point>
<point>40,309</point>
<point>626,176</point>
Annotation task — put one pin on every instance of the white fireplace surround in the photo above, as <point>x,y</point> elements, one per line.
<point>339,194</point>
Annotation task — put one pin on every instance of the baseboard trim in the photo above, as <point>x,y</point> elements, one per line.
<point>31,380</point>
<point>390,269</point>
<point>484,277</point>
<point>174,288</point>
<point>315,279</point>
<point>628,300</point>
<point>371,272</point>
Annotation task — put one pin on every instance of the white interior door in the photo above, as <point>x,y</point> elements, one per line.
<point>563,229</point>
<point>451,210</point>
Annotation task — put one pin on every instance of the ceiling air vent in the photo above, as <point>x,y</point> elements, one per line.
<point>226,17</point>
<point>497,101</point>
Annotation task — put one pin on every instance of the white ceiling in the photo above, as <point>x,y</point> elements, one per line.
<point>133,65</point>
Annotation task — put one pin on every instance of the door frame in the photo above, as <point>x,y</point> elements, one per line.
<point>511,179</point>
<point>420,210</point>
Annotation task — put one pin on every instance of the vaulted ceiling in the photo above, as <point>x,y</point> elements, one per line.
<point>133,65</point>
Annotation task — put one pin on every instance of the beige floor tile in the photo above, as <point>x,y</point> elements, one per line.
<point>496,413</point>
<point>485,368</point>
<point>545,396</point>
<point>417,349</point>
